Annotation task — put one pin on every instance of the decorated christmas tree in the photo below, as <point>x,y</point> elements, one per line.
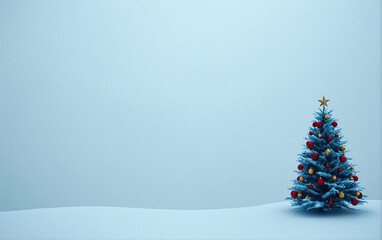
<point>326,176</point>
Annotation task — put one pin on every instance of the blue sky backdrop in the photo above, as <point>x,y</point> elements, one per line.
<point>180,104</point>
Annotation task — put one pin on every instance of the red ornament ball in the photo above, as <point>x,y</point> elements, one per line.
<point>336,135</point>
<point>300,167</point>
<point>310,133</point>
<point>355,178</point>
<point>314,124</point>
<point>334,124</point>
<point>314,156</point>
<point>293,194</point>
<point>310,186</point>
<point>354,201</point>
<point>309,144</point>
<point>327,166</point>
<point>298,178</point>
<point>319,124</point>
<point>340,169</point>
<point>330,202</point>
<point>343,159</point>
<point>329,139</point>
<point>360,195</point>
<point>320,182</point>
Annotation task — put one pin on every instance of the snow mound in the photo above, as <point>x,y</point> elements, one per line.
<point>269,221</point>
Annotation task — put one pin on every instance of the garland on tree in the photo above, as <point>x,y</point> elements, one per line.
<point>326,177</point>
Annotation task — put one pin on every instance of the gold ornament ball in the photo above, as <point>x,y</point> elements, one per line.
<point>301,179</point>
<point>307,197</point>
<point>326,117</point>
<point>327,151</point>
<point>357,193</point>
<point>299,194</point>
<point>334,178</point>
<point>351,168</point>
<point>343,148</point>
<point>341,195</point>
<point>311,171</point>
<point>319,135</point>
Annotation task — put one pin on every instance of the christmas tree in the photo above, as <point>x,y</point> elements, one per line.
<point>326,177</point>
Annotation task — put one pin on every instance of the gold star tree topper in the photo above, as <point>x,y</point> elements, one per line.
<point>323,101</point>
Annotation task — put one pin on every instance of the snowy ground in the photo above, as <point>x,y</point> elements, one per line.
<point>269,221</point>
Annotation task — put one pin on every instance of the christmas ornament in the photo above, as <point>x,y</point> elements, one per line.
<point>351,168</point>
<point>354,201</point>
<point>343,159</point>
<point>343,148</point>
<point>311,171</point>
<point>327,166</point>
<point>355,178</point>
<point>314,124</point>
<point>319,124</point>
<point>310,186</point>
<point>334,124</point>
<point>309,144</point>
<point>323,101</point>
<point>307,197</point>
<point>327,151</point>
<point>336,135</point>
<point>340,169</point>
<point>351,178</point>
<point>334,177</point>
<point>319,135</point>
<point>320,182</point>
<point>314,156</point>
<point>300,167</point>
<point>359,195</point>
<point>326,117</point>
<point>330,202</point>
<point>341,195</point>
<point>310,133</point>
<point>301,179</point>
<point>299,194</point>
<point>329,139</point>
<point>293,194</point>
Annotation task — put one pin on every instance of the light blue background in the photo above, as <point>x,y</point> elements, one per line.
<point>180,104</point>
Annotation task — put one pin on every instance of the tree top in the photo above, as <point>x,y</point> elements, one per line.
<point>323,101</point>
